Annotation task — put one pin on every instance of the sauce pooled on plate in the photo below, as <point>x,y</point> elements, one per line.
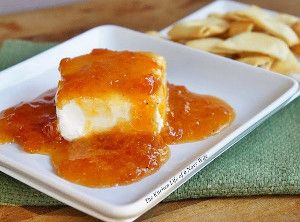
<point>114,157</point>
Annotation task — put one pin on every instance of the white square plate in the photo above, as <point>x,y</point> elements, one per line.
<point>253,93</point>
<point>223,6</point>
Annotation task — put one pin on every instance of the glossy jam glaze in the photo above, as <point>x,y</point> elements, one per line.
<point>113,158</point>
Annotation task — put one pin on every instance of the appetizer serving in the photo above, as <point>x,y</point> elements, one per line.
<point>111,118</point>
<point>34,124</point>
<point>251,35</point>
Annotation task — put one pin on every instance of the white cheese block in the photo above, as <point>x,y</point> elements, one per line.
<point>82,116</point>
<point>109,91</point>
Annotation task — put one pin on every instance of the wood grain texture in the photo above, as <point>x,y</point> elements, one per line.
<point>61,23</point>
<point>57,24</point>
<point>281,208</point>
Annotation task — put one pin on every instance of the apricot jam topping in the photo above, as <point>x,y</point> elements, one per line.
<point>113,158</point>
<point>104,71</point>
<point>194,117</point>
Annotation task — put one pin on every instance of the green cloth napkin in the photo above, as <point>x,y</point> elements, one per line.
<point>267,161</point>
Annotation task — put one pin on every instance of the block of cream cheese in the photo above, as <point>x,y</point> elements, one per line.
<point>106,91</point>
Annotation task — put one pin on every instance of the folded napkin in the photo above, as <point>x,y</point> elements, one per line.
<point>267,161</point>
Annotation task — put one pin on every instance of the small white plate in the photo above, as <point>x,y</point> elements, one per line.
<point>223,6</point>
<point>254,94</point>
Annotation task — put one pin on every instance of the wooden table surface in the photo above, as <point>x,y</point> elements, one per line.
<point>61,23</point>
